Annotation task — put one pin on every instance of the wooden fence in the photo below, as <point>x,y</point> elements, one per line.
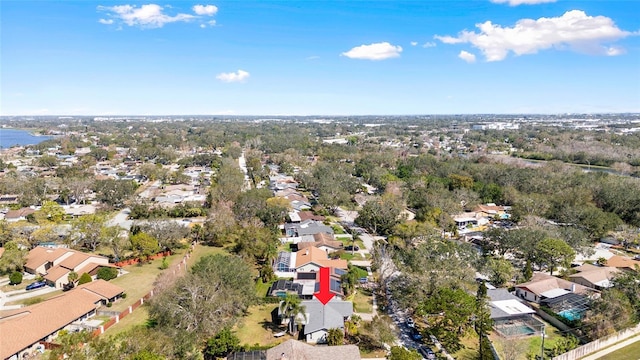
<point>182,266</point>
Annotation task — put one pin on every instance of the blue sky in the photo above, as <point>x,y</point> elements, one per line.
<point>318,57</point>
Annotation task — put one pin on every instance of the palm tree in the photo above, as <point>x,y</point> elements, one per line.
<point>354,238</point>
<point>291,308</point>
<point>72,277</point>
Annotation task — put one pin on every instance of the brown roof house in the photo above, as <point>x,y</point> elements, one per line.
<point>543,286</point>
<point>322,241</point>
<point>623,263</point>
<point>56,264</point>
<point>312,259</point>
<point>18,215</point>
<point>597,277</point>
<point>22,329</point>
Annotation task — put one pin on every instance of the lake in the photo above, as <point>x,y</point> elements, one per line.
<point>13,137</point>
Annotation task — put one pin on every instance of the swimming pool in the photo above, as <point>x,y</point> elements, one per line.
<point>517,330</point>
<point>571,314</point>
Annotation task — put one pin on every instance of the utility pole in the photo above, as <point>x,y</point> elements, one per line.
<point>542,347</point>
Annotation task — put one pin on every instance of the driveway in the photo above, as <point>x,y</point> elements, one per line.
<point>17,295</point>
<point>121,219</point>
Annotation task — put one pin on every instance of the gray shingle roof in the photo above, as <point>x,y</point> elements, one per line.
<point>329,316</point>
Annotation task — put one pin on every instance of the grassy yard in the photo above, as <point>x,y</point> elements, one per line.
<point>139,281</point>
<point>137,318</point>
<point>363,301</point>
<point>262,288</point>
<point>626,353</point>
<point>347,256</point>
<point>258,328</point>
<point>518,348</point>
<point>470,349</point>
<point>201,251</point>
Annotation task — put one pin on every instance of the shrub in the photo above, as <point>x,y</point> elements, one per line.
<point>15,278</point>
<point>165,263</point>
<point>124,295</point>
<point>32,301</point>
<point>107,273</point>
<point>85,278</point>
<point>109,304</point>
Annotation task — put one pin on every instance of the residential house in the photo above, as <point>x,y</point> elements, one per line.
<point>23,329</point>
<point>469,221</point>
<point>76,211</point>
<point>307,227</point>
<point>511,317</point>
<point>320,318</point>
<point>56,264</point>
<point>306,284</point>
<point>492,211</point>
<point>322,241</point>
<point>281,182</point>
<point>596,277</point>
<point>623,263</point>
<point>543,286</point>
<point>297,350</point>
<point>309,215</point>
<point>312,259</point>
<point>18,215</point>
<point>8,199</point>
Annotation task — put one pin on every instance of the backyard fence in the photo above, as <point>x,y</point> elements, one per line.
<point>596,345</point>
<point>182,266</point>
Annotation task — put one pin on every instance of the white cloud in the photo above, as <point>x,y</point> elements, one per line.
<point>106,21</point>
<point>313,57</point>
<point>375,51</point>
<point>615,51</point>
<point>145,16</point>
<point>522,2</point>
<point>574,30</point>
<point>414,43</point>
<point>238,76</point>
<point>202,26</point>
<point>211,22</point>
<point>429,44</point>
<point>467,56</point>
<point>208,10</point>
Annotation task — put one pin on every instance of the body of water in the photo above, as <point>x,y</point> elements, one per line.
<point>13,137</point>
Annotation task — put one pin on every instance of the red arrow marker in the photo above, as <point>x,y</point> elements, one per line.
<point>325,294</point>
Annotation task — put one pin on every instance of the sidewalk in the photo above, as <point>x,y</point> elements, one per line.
<point>611,348</point>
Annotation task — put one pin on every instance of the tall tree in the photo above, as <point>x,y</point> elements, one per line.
<point>448,314</point>
<point>87,230</point>
<point>212,296</point>
<point>551,253</point>
<point>380,215</point>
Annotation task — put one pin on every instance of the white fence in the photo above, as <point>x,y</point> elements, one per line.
<point>596,345</point>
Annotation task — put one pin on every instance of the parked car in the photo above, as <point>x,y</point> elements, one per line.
<point>415,334</point>
<point>36,285</point>
<point>411,323</point>
<point>427,352</point>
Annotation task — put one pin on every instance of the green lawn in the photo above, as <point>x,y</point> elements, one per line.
<point>258,328</point>
<point>525,345</point>
<point>262,288</point>
<point>139,281</point>
<point>201,251</point>
<point>630,352</point>
<point>138,317</point>
<point>363,301</point>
